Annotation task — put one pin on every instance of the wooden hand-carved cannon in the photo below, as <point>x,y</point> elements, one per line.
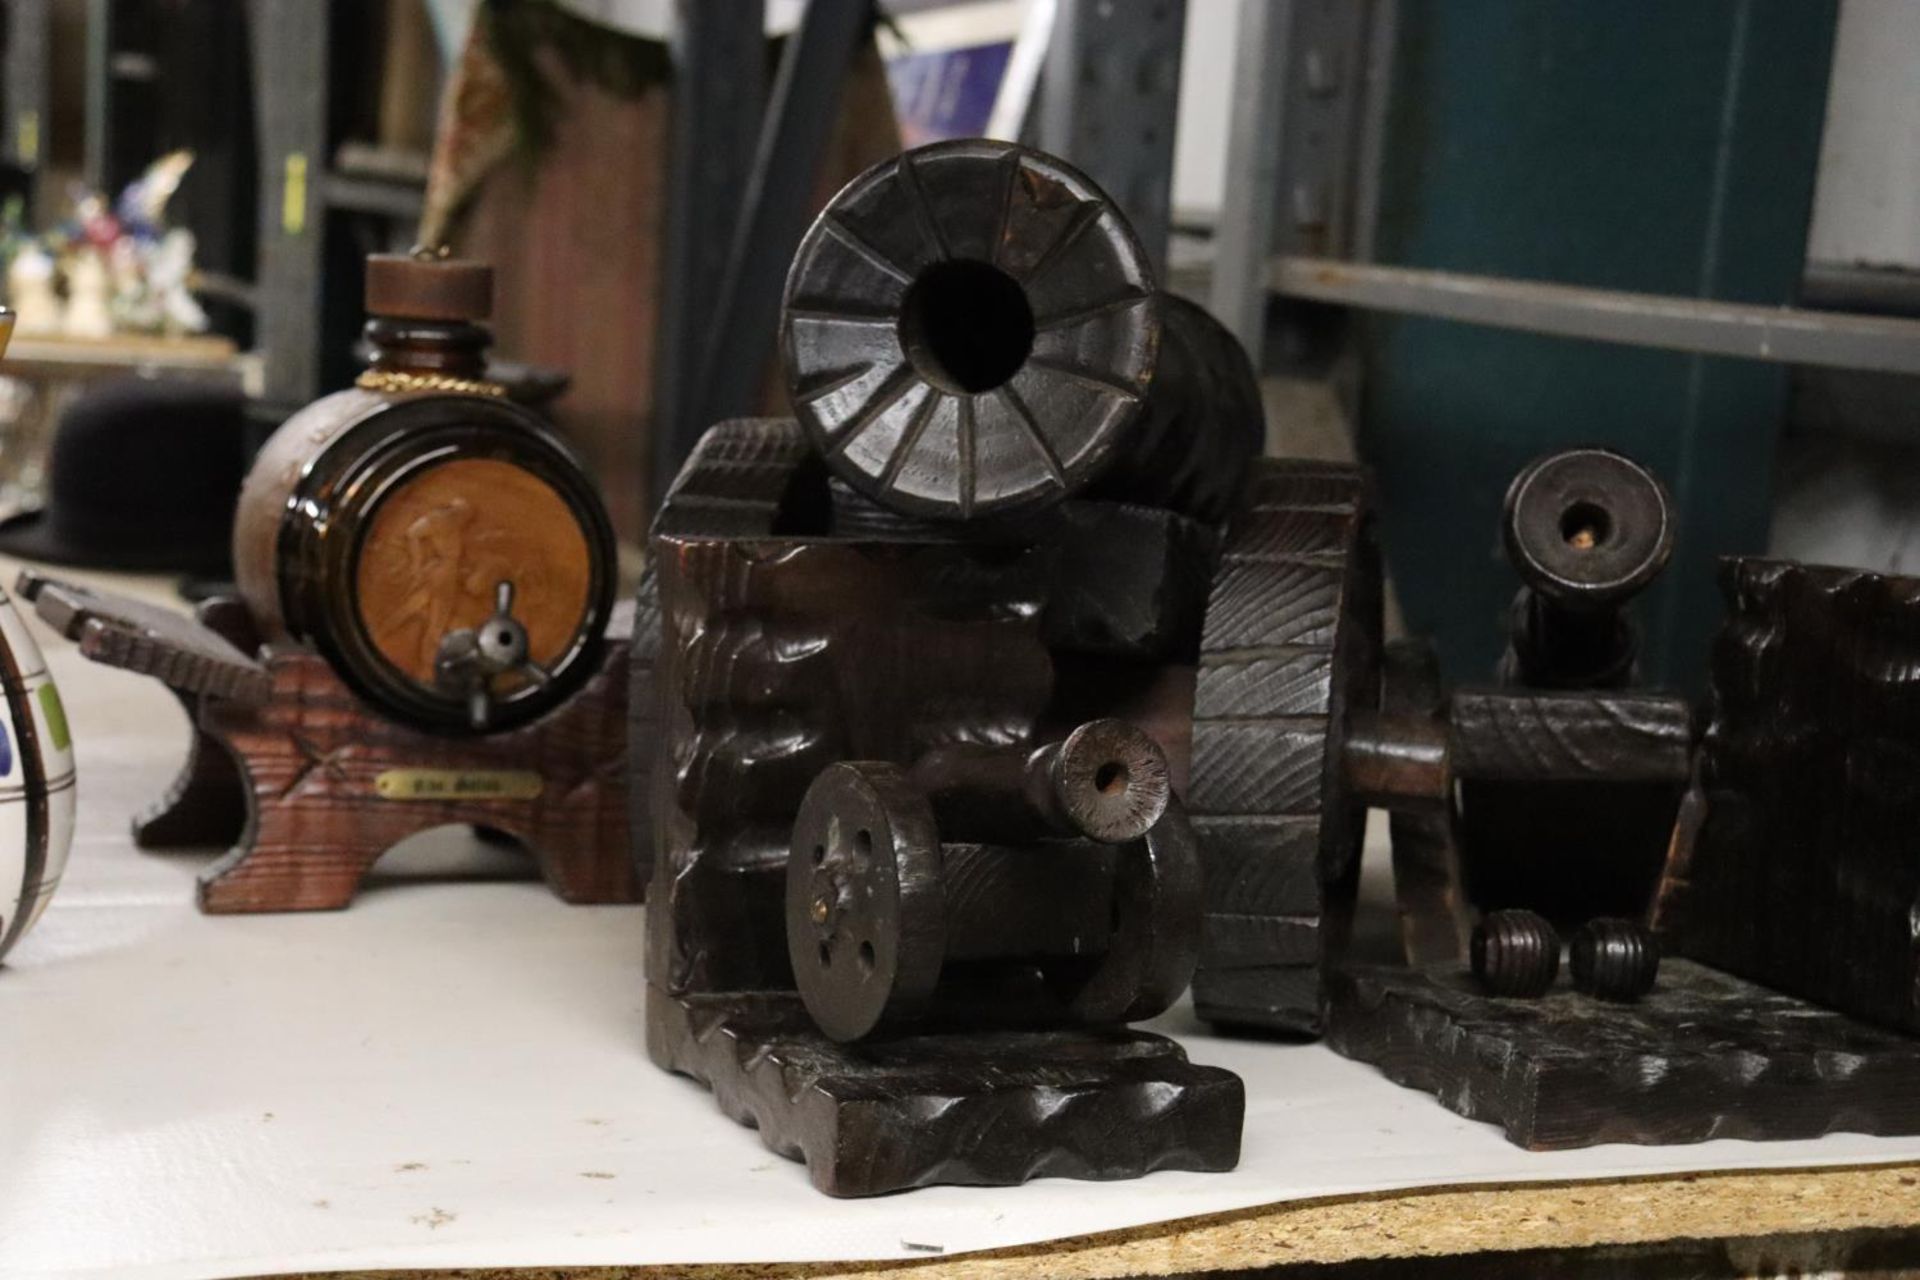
<point>785,651</point>
<point>889,924</point>
<point>995,519</point>
<point>1297,732</point>
<point>1778,848</point>
<point>1586,530</point>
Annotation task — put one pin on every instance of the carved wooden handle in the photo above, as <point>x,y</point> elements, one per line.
<point>181,652</point>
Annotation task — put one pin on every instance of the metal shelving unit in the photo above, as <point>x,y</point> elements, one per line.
<point>743,161</point>
<point>308,277</point>
<point>24,81</point>
<point>1309,103</point>
<point>1109,96</point>
<point>1650,295</point>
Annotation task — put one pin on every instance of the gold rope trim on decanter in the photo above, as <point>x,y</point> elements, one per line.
<point>393,381</point>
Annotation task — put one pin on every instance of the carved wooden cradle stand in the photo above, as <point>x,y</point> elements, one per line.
<point>308,785</point>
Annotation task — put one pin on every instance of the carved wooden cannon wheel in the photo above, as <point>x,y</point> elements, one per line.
<point>1289,651</point>
<point>865,887</point>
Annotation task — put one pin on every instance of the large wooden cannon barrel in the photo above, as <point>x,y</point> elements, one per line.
<point>435,542</point>
<point>972,328</point>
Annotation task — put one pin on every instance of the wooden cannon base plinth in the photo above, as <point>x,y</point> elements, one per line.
<point>311,786</point>
<point>1705,1055</point>
<point>969,1108</point>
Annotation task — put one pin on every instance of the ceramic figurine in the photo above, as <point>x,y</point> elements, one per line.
<point>169,267</point>
<point>89,311</point>
<point>134,307</point>
<point>30,290</point>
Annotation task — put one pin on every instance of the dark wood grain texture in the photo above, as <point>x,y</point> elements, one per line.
<point>313,757</point>
<point>797,654</point>
<point>1805,872</point>
<point>1126,581</point>
<point>643,722</point>
<point>181,652</point>
<point>781,655</point>
<point>1436,920</point>
<point>972,329</point>
<point>1011,1105</point>
<point>1564,782</point>
<point>1705,1055</point>
<point>1290,646</point>
<point>1517,735</point>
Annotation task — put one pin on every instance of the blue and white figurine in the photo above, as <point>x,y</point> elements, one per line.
<point>36,780</point>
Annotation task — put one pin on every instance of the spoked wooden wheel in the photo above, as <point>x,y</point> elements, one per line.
<point>866,911</point>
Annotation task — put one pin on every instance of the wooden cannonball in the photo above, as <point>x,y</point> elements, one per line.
<point>1615,959</point>
<point>1515,953</point>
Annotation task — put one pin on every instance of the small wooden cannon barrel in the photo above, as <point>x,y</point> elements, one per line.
<point>888,925</point>
<point>1587,530</point>
<point>438,545</point>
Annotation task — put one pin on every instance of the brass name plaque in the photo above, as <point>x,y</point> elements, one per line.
<point>458,784</point>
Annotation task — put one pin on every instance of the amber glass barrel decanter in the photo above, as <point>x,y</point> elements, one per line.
<point>435,542</point>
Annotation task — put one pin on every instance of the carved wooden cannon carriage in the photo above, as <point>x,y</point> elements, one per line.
<point>925,685</point>
<point>1738,832</point>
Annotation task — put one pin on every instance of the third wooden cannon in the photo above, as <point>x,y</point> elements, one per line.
<point>1303,720</point>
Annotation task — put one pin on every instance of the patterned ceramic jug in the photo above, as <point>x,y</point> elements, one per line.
<point>36,770</point>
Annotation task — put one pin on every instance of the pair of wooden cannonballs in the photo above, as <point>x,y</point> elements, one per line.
<point>1517,953</point>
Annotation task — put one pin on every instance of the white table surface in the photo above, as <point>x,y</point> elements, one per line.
<point>452,1074</point>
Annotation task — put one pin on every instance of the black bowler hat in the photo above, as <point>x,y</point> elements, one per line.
<point>143,475</point>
